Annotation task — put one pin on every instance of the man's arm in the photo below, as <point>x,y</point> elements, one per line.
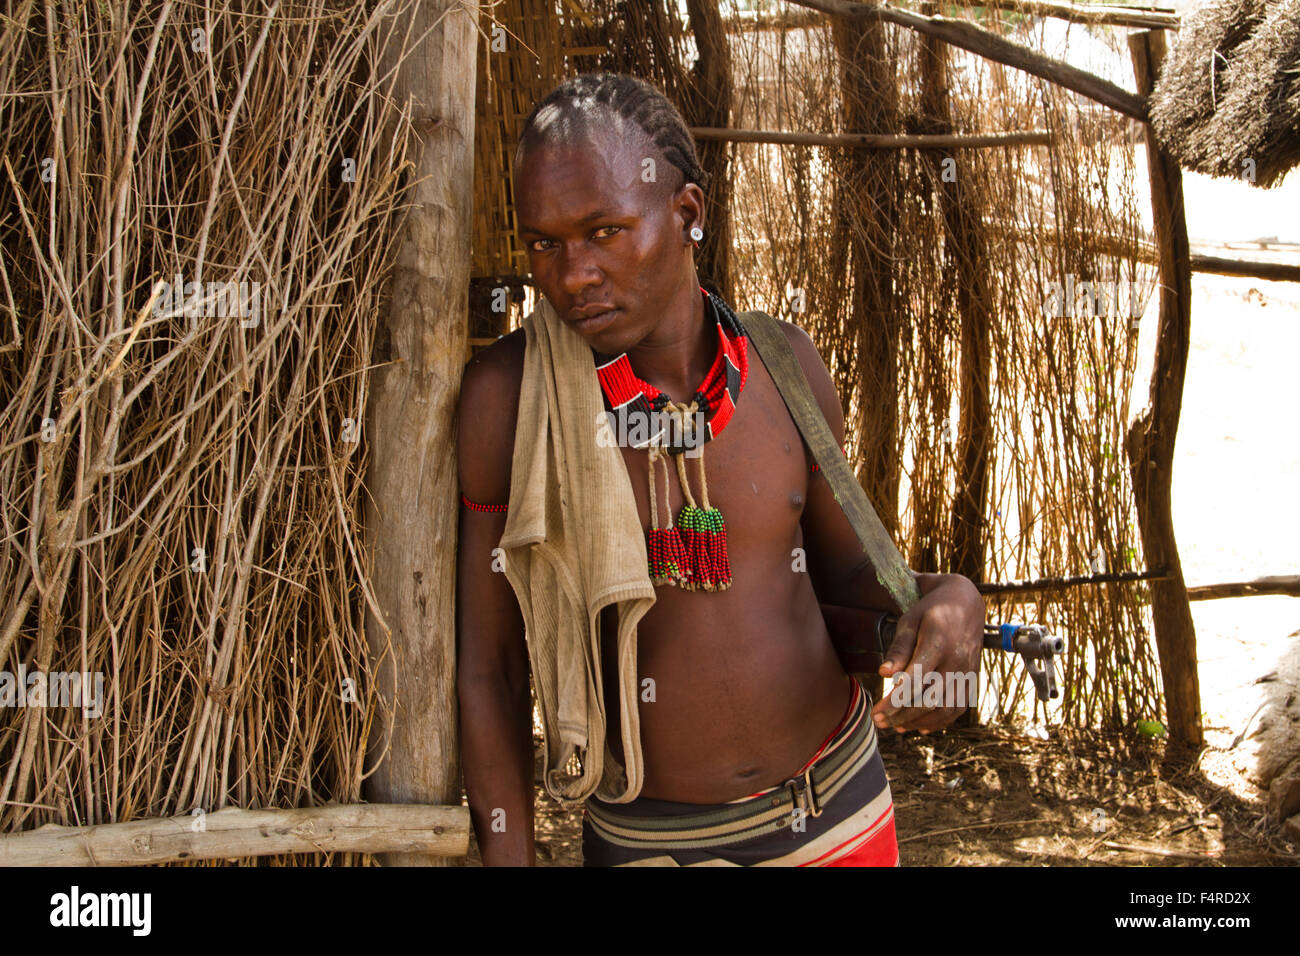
<point>942,633</point>
<point>496,714</point>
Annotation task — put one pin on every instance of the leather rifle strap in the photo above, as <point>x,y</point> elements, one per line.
<point>891,570</point>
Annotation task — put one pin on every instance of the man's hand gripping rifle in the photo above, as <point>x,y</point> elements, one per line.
<point>863,638</point>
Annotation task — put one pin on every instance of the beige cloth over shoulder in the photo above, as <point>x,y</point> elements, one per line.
<point>573,544</point>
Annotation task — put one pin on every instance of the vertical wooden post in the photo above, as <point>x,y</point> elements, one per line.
<point>965,245</point>
<point>867,218</point>
<point>866,215</point>
<point>411,515</point>
<point>965,252</point>
<point>1150,440</point>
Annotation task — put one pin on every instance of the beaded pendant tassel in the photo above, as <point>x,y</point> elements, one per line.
<point>715,530</point>
<point>664,547</point>
<point>704,534</point>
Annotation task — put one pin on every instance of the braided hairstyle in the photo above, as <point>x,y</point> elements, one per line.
<point>581,108</point>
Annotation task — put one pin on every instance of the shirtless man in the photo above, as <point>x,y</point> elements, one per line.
<point>748,683</point>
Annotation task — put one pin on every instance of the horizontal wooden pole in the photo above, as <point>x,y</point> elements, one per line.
<point>1032,137</point>
<point>970,36</point>
<point>1287,584</point>
<point>1086,13</point>
<point>1276,271</point>
<point>1060,584</point>
<point>233,833</point>
<point>1137,17</point>
<point>1146,252</point>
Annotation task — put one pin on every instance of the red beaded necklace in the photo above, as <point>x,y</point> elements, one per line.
<point>692,553</point>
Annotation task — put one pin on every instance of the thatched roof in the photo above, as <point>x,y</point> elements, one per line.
<point>1228,99</point>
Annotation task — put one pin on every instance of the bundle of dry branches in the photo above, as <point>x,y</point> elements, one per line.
<point>197,210</point>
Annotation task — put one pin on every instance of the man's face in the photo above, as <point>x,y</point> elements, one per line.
<point>605,247</point>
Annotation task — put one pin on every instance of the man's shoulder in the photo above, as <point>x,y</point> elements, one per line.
<point>802,343</point>
<point>488,414</point>
<point>499,364</point>
<point>805,350</point>
<point>493,376</point>
<point>815,371</point>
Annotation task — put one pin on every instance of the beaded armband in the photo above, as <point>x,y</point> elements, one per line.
<point>475,506</point>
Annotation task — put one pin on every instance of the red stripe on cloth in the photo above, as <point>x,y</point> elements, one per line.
<point>880,850</point>
<point>878,844</point>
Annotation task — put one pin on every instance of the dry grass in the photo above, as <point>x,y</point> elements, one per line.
<point>1228,98</point>
<point>188,523</point>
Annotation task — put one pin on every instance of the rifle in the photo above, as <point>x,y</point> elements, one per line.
<point>862,639</point>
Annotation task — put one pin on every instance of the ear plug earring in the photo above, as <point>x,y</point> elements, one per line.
<point>697,233</point>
